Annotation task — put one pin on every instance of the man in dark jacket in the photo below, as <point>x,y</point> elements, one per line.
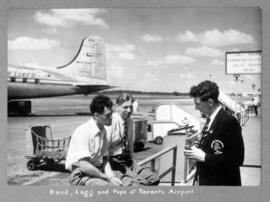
<point>220,151</point>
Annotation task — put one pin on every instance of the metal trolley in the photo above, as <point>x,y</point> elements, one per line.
<point>40,147</point>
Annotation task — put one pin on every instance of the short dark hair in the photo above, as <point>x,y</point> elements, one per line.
<point>205,90</point>
<point>123,97</point>
<point>99,103</point>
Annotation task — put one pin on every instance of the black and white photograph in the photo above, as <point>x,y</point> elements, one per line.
<point>153,54</point>
<point>122,101</point>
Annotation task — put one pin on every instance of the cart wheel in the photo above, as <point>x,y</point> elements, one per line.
<point>159,140</point>
<point>31,165</point>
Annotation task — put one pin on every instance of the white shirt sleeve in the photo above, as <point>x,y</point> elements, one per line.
<point>81,144</point>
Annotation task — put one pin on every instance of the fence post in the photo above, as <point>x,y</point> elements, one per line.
<point>153,162</point>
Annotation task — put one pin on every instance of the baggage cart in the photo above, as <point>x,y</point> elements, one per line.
<point>40,147</point>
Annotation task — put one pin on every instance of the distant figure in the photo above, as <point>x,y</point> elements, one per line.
<point>87,156</point>
<point>153,109</point>
<point>136,106</point>
<point>185,121</point>
<point>220,151</point>
<point>256,104</point>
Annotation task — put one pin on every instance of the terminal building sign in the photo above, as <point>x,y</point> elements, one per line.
<point>243,62</point>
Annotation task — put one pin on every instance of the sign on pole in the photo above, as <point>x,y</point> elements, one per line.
<point>243,62</point>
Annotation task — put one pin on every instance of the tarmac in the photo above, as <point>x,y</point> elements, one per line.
<point>19,175</point>
<point>251,170</point>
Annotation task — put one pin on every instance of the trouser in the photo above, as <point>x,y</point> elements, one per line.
<point>256,109</point>
<point>133,174</point>
<point>78,178</point>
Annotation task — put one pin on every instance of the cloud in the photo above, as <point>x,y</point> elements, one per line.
<point>28,43</point>
<point>152,38</point>
<point>217,38</point>
<point>204,51</point>
<point>186,76</point>
<point>126,56</point>
<point>171,60</point>
<point>217,62</point>
<point>188,36</point>
<point>70,17</point>
<point>232,50</point>
<point>51,30</point>
<point>119,48</point>
<point>121,52</point>
<point>150,77</point>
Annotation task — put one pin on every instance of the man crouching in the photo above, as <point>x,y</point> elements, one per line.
<point>88,149</point>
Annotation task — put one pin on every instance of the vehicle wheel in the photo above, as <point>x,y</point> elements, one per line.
<point>159,140</point>
<point>31,165</point>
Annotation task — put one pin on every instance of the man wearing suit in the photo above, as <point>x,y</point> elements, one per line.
<point>220,151</point>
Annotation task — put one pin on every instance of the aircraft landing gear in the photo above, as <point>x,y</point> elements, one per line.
<point>19,107</point>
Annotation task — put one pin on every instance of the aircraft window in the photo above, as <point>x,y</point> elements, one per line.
<point>13,79</point>
<point>24,80</point>
<point>36,80</point>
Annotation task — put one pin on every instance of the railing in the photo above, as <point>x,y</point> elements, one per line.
<point>188,173</point>
<point>243,117</point>
<point>153,158</point>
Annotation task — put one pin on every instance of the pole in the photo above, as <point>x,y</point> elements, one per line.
<point>236,76</point>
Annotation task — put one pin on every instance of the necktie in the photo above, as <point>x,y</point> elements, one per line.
<point>204,131</point>
<point>125,139</point>
<point>205,127</point>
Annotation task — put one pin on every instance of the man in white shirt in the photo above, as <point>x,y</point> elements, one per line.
<point>120,155</point>
<point>88,149</point>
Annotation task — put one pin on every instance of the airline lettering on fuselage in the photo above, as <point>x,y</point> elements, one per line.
<point>21,75</point>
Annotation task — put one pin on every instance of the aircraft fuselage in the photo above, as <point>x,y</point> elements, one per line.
<point>26,83</point>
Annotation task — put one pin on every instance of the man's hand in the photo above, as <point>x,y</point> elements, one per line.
<point>195,153</point>
<point>115,181</point>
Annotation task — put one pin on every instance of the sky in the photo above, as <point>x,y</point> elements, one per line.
<point>147,49</point>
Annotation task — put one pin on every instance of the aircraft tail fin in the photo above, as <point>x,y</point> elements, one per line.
<point>90,61</point>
